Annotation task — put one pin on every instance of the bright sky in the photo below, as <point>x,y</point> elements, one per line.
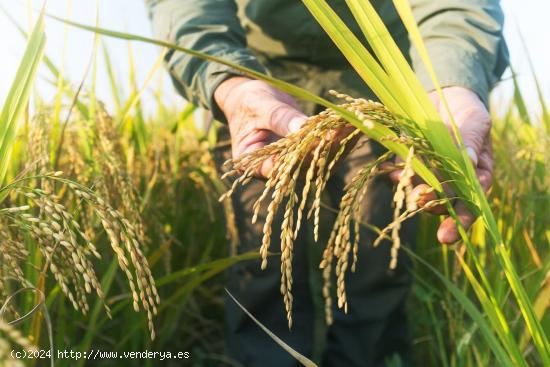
<point>130,16</point>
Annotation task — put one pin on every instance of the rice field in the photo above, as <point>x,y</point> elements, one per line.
<point>115,231</point>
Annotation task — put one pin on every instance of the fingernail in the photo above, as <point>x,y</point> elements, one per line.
<point>473,155</point>
<point>296,123</point>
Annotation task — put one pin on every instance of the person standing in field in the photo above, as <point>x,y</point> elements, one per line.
<point>465,42</point>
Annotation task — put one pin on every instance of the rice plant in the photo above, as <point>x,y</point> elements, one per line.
<point>396,86</point>
<point>480,302</point>
<point>76,192</point>
<point>36,210</point>
<point>12,337</point>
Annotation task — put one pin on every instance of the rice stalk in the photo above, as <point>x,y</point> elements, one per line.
<point>115,184</point>
<point>67,249</point>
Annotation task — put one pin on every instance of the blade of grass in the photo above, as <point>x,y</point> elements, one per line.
<point>115,88</point>
<point>540,94</point>
<point>134,100</point>
<point>519,101</point>
<point>405,86</point>
<point>541,304</point>
<point>50,65</point>
<point>136,125</point>
<point>356,54</point>
<point>18,95</point>
<point>93,83</point>
<point>75,102</point>
<point>299,357</point>
<point>485,328</point>
<point>216,264</point>
<point>60,86</point>
<point>392,60</point>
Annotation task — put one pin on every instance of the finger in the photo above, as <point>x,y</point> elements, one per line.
<point>423,195</point>
<point>251,141</point>
<point>394,173</point>
<point>485,179</point>
<point>343,132</point>
<point>395,176</point>
<point>448,231</point>
<point>282,119</point>
<point>336,137</point>
<point>472,154</point>
<point>485,166</point>
<point>434,97</point>
<point>474,129</point>
<point>267,166</point>
<point>471,117</point>
<point>296,123</point>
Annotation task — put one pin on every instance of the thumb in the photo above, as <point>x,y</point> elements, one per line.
<point>473,155</point>
<point>472,119</point>
<point>474,133</point>
<point>283,119</point>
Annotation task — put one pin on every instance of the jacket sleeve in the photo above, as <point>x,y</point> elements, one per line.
<point>209,26</point>
<point>465,43</point>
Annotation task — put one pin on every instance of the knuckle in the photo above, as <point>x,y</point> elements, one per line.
<point>277,112</point>
<point>275,109</point>
<point>473,139</point>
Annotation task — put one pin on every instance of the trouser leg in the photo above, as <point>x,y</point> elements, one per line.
<point>375,326</point>
<point>259,290</point>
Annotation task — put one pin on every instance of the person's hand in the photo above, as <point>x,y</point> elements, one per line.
<point>474,124</point>
<point>257,114</point>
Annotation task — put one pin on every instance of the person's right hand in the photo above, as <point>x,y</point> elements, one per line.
<point>257,114</point>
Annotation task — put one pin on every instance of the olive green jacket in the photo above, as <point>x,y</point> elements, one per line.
<point>464,39</point>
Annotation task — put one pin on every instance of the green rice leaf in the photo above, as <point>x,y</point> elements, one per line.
<point>500,353</point>
<point>18,95</point>
<point>477,196</point>
<point>540,94</point>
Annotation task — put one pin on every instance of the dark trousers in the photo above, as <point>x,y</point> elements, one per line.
<point>375,327</point>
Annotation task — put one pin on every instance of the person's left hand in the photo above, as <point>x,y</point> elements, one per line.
<point>474,124</point>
